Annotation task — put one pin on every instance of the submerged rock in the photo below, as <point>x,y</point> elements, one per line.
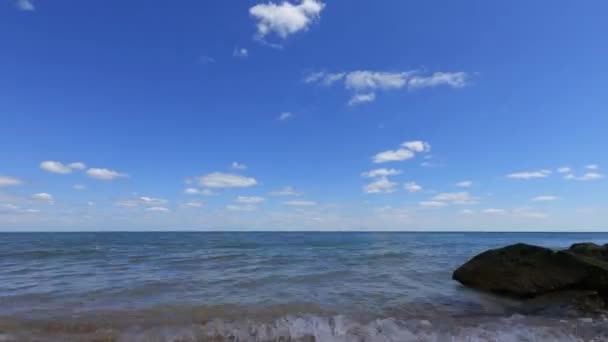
<point>527,271</point>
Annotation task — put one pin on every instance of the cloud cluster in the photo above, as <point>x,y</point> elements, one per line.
<point>530,174</point>
<point>6,181</point>
<point>60,168</point>
<point>105,174</point>
<point>285,18</point>
<point>407,150</point>
<point>363,84</point>
<point>225,180</point>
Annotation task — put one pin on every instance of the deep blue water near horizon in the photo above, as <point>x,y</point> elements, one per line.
<point>179,279</point>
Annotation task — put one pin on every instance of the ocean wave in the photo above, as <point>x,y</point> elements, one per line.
<point>337,328</point>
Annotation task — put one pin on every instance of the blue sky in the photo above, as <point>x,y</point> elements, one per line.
<point>303,115</point>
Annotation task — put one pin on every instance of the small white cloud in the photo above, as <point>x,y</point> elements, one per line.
<point>194,204</point>
<point>417,146</point>
<point>157,209</point>
<point>467,212</point>
<point>300,203</point>
<point>432,204</point>
<point>363,84</point>
<point>380,173</point>
<point>128,203</point>
<point>589,176</point>
<point>240,52</point>
<point>79,187</point>
<point>380,186</point>
<point>285,18</point>
<point>194,191</point>
<point>225,180</point>
<point>412,187</point>
<point>564,169</point>
<point>455,198</point>
<point>206,59</point>
<point>285,191</point>
<point>358,99</point>
<point>104,174</point>
<point>91,204</point>
<point>451,79</point>
<point>285,116</point>
<point>151,200</point>
<point>8,206</point>
<point>494,211</point>
<point>247,207</point>
<point>60,168</point>
<point>77,166</point>
<point>527,213</point>
<point>238,166</point>
<point>464,184</point>
<point>530,174</point>
<point>43,196</point>
<point>249,199</point>
<point>6,181</point>
<point>25,5</point>
<point>544,198</point>
<point>393,155</point>
<point>592,167</point>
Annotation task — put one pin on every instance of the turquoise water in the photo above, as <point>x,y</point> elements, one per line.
<point>128,285</point>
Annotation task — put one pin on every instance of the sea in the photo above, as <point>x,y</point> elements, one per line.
<point>268,286</point>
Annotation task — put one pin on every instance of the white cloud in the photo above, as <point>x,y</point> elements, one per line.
<point>589,176</point>
<point>530,174</point>
<point>592,167</point>
<point>77,166</point>
<point>240,52</point>
<point>417,146</point>
<point>467,212</point>
<point>452,79</point>
<point>249,199</point>
<point>393,155</point>
<point>8,206</point>
<point>143,201</point>
<point>300,203</point>
<point>380,186</point>
<point>380,173</point>
<point>9,181</point>
<point>104,174</point>
<point>194,204</point>
<point>226,180</point>
<point>464,184</point>
<point>157,209</point>
<point>364,83</point>
<point>455,198</point>
<point>238,166</point>
<point>60,168</point>
<point>79,187</point>
<point>151,200</point>
<point>43,196</point>
<point>564,169</point>
<point>358,99</point>
<point>285,116</point>
<point>408,150</point>
<point>527,213</point>
<point>544,198</point>
<point>206,59</point>
<point>364,80</point>
<point>285,18</point>
<point>286,191</point>
<point>412,187</point>
<point>25,5</point>
<point>432,204</point>
<point>247,207</point>
<point>494,211</point>
<point>194,191</point>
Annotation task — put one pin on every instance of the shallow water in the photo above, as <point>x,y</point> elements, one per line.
<point>265,286</point>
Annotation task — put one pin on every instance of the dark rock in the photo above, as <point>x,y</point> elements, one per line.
<point>591,250</point>
<point>527,271</point>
